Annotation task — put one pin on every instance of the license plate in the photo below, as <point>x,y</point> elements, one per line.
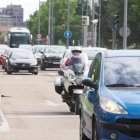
<point>77,91</point>
<point>56,62</point>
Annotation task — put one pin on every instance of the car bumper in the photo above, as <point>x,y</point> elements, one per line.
<point>51,63</point>
<point>22,67</point>
<point>122,131</point>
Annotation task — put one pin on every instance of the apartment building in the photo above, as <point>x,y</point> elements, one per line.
<point>10,16</point>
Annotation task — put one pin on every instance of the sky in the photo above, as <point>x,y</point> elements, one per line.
<point>29,6</point>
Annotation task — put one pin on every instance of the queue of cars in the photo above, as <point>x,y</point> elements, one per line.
<point>110,103</point>
<point>30,58</point>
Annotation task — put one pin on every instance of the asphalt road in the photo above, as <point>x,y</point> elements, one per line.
<point>31,110</point>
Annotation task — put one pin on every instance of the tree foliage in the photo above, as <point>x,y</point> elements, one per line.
<point>116,7</point>
<point>109,8</point>
<point>59,21</point>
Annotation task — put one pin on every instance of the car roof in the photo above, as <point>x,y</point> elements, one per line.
<point>93,48</point>
<point>123,53</point>
<point>19,49</point>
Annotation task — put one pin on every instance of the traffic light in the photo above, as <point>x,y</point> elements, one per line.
<point>115,23</point>
<point>79,9</point>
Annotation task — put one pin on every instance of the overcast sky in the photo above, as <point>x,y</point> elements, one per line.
<point>29,6</point>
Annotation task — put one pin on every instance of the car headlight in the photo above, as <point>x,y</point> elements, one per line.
<point>72,77</point>
<point>34,63</point>
<point>112,107</point>
<point>12,62</point>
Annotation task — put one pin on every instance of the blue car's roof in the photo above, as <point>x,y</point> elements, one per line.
<point>123,53</point>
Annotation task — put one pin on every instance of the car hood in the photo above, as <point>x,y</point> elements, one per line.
<point>128,98</point>
<point>26,61</point>
<point>38,55</point>
<point>54,55</point>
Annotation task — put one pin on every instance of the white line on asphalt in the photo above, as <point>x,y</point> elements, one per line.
<point>4,126</point>
<point>50,103</point>
<point>43,116</point>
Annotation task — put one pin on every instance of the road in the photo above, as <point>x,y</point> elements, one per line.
<point>31,110</point>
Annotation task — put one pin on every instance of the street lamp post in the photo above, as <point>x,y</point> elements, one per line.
<point>95,21</point>
<point>125,25</point>
<point>68,21</point>
<point>93,15</point>
<point>39,19</point>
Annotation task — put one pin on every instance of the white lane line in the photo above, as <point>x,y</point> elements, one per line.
<point>4,126</point>
<point>50,103</point>
<point>18,77</point>
<point>43,116</point>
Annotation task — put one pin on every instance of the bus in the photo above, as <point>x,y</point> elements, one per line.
<point>17,36</point>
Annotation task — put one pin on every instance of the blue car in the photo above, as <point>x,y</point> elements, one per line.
<point>110,106</point>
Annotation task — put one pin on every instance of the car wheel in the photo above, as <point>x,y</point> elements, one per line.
<point>82,135</point>
<point>8,70</point>
<point>35,73</point>
<point>72,108</point>
<point>42,67</point>
<point>2,67</point>
<point>77,104</point>
<point>95,135</point>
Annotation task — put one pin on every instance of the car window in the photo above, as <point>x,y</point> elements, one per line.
<point>55,50</point>
<point>122,70</point>
<point>91,53</point>
<point>95,69</point>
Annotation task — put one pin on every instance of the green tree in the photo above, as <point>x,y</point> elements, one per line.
<point>116,7</point>
<point>59,19</point>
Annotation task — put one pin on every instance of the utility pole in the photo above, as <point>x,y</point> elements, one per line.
<point>38,35</point>
<point>125,25</point>
<point>68,21</point>
<point>49,24</point>
<point>39,19</point>
<point>52,22</point>
<point>99,31</point>
<point>93,16</point>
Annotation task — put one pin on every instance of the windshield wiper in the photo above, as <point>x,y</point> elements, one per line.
<point>121,85</point>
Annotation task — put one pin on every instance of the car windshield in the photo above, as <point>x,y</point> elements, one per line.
<point>2,50</point>
<point>91,53</point>
<point>39,49</point>
<point>55,50</point>
<point>122,71</point>
<point>22,55</point>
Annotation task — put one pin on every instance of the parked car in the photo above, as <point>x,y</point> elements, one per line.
<point>4,56</point>
<point>21,59</point>
<point>110,106</point>
<point>52,56</point>
<point>2,50</point>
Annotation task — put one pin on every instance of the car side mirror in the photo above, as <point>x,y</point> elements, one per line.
<point>91,95</point>
<point>60,72</point>
<point>88,82</point>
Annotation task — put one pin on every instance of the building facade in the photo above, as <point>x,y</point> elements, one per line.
<point>10,16</point>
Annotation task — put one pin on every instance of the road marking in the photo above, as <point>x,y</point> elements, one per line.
<point>43,116</point>
<point>50,103</point>
<point>4,126</point>
<point>18,77</point>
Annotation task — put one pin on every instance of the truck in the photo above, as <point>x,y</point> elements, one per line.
<point>17,36</point>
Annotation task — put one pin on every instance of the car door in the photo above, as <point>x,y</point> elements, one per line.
<point>88,105</point>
